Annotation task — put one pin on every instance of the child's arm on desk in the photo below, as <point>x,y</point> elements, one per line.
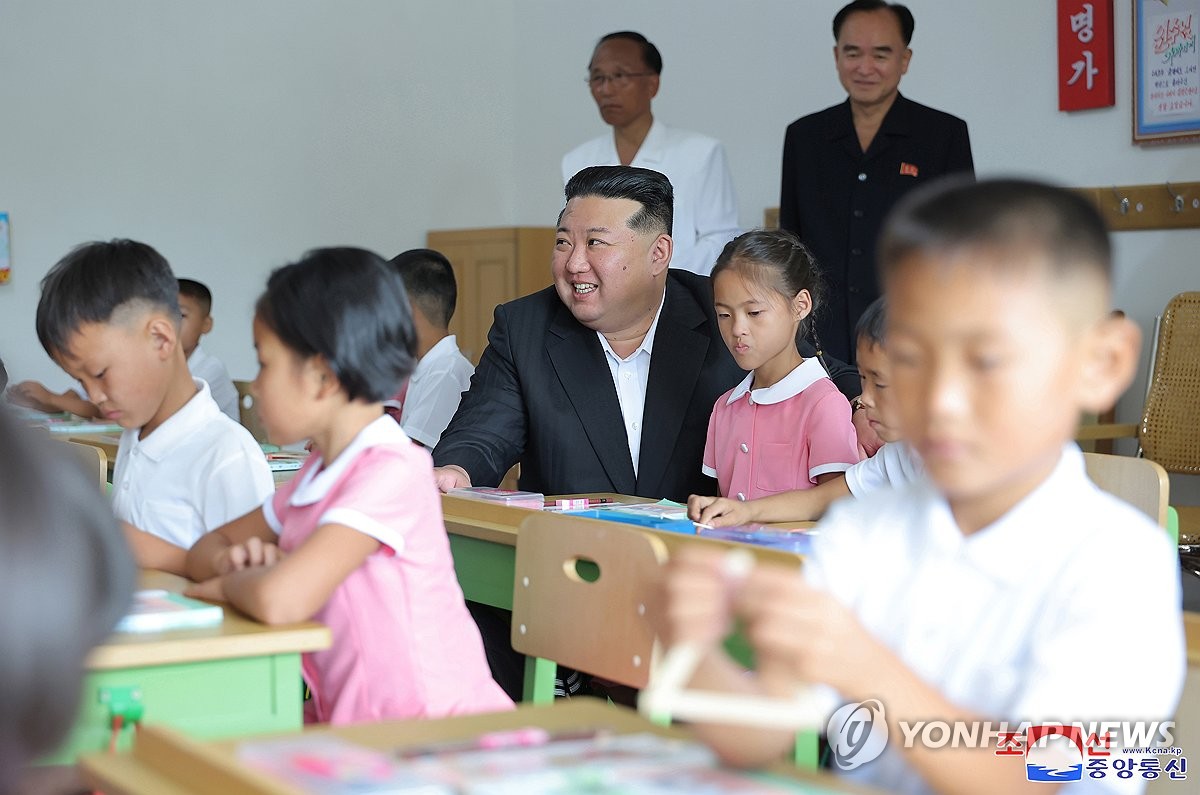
<point>789,506</point>
<point>152,552</point>
<point>297,586</point>
<point>245,542</point>
<point>36,396</point>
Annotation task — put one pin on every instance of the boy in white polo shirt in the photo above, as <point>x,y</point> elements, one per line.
<point>1004,586</point>
<point>109,316</point>
<point>892,466</point>
<point>430,398</point>
<point>195,306</point>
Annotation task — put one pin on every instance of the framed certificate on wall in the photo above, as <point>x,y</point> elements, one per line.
<point>1166,70</point>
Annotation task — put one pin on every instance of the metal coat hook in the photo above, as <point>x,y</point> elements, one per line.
<point>1123,205</point>
<point>1178,197</point>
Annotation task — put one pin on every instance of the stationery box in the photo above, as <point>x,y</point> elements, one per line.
<point>656,516</point>
<point>509,497</point>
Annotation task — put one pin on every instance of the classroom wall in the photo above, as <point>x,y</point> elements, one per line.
<point>234,135</point>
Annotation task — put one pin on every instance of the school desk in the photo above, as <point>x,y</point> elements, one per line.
<point>238,677</point>
<point>164,764</point>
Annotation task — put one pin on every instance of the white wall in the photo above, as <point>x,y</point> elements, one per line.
<point>233,135</point>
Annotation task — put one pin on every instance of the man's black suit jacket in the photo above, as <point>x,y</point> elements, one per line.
<point>543,395</point>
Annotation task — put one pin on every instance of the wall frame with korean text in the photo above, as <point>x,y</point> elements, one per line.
<point>1166,71</point>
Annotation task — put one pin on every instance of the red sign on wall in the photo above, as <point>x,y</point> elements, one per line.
<point>1085,55</point>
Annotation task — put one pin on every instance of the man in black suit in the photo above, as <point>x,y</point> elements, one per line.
<point>846,166</point>
<point>605,381</point>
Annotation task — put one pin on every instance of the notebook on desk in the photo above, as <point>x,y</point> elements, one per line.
<point>156,610</point>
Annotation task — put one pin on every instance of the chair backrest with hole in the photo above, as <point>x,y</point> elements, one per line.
<point>1138,481</point>
<point>247,414</point>
<point>1170,430</point>
<point>582,590</point>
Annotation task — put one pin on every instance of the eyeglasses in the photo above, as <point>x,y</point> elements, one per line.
<point>619,80</point>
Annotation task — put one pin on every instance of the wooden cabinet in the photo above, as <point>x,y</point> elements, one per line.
<point>492,266</point>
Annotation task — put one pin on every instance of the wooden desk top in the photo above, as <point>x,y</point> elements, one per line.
<point>180,766</point>
<point>498,524</point>
<point>236,636</point>
<point>1191,629</point>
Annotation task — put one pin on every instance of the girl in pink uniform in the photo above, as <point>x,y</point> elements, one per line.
<point>786,426</point>
<point>355,541</point>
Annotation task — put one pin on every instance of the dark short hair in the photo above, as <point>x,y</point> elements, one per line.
<point>956,213</point>
<point>650,54</point>
<point>3,376</point>
<point>429,279</point>
<point>903,16</point>
<point>870,326</point>
<point>70,576</point>
<point>347,306</point>
<point>648,188</point>
<point>198,292</point>
<point>96,279</point>
<point>776,260</point>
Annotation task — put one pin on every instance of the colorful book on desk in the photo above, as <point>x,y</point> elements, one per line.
<point>797,541</point>
<point>157,610</point>
<point>286,462</point>
<point>666,516</point>
<point>509,497</point>
<point>67,423</point>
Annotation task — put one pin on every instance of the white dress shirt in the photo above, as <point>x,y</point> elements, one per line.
<point>706,215</point>
<point>195,472</point>
<point>630,376</point>
<point>894,466</point>
<point>436,386</point>
<point>203,365</point>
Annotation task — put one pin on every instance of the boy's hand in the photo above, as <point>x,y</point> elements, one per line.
<point>801,634</point>
<point>696,597</point>
<point>719,511</point>
<point>211,589</point>
<point>33,395</point>
<point>868,441</point>
<point>254,552</point>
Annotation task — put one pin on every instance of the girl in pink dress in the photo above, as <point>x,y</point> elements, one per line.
<point>786,426</point>
<point>356,540</point>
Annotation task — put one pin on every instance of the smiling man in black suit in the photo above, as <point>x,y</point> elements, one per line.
<point>605,381</point>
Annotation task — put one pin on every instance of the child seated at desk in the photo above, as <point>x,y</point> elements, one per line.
<point>195,305</point>
<point>785,426</point>
<point>430,397</point>
<point>893,465</point>
<point>356,540</point>
<point>109,316</point>
<point>68,578</point>
<point>1005,586</point>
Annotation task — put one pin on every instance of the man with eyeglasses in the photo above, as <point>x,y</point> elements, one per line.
<point>623,76</point>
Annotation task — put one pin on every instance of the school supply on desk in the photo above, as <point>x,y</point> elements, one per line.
<point>562,763</point>
<point>65,422</point>
<point>157,610</point>
<point>284,461</point>
<point>510,497</point>
<point>796,541</point>
<point>663,515</point>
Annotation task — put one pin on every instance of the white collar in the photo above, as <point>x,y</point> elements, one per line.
<point>316,482</point>
<point>799,379</point>
<point>647,341</point>
<point>199,410</point>
<point>445,347</point>
<point>653,148</point>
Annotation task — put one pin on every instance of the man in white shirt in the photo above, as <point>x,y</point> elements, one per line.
<point>430,398</point>
<point>624,77</point>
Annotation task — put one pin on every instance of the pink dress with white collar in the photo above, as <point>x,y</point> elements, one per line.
<point>404,645</point>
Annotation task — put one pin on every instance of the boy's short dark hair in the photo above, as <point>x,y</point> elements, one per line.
<point>650,54</point>
<point>429,279</point>
<point>871,323</point>
<point>648,188</point>
<point>96,279</point>
<point>903,16</point>
<point>70,576</point>
<point>955,213</point>
<point>198,292</point>
<point>347,306</point>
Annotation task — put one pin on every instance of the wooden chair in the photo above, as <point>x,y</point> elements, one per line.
<point>92,458</point>
<point>1138,481</point>
<point>246,413</point>
<point>1169,432</point>
<point>581,592</point>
